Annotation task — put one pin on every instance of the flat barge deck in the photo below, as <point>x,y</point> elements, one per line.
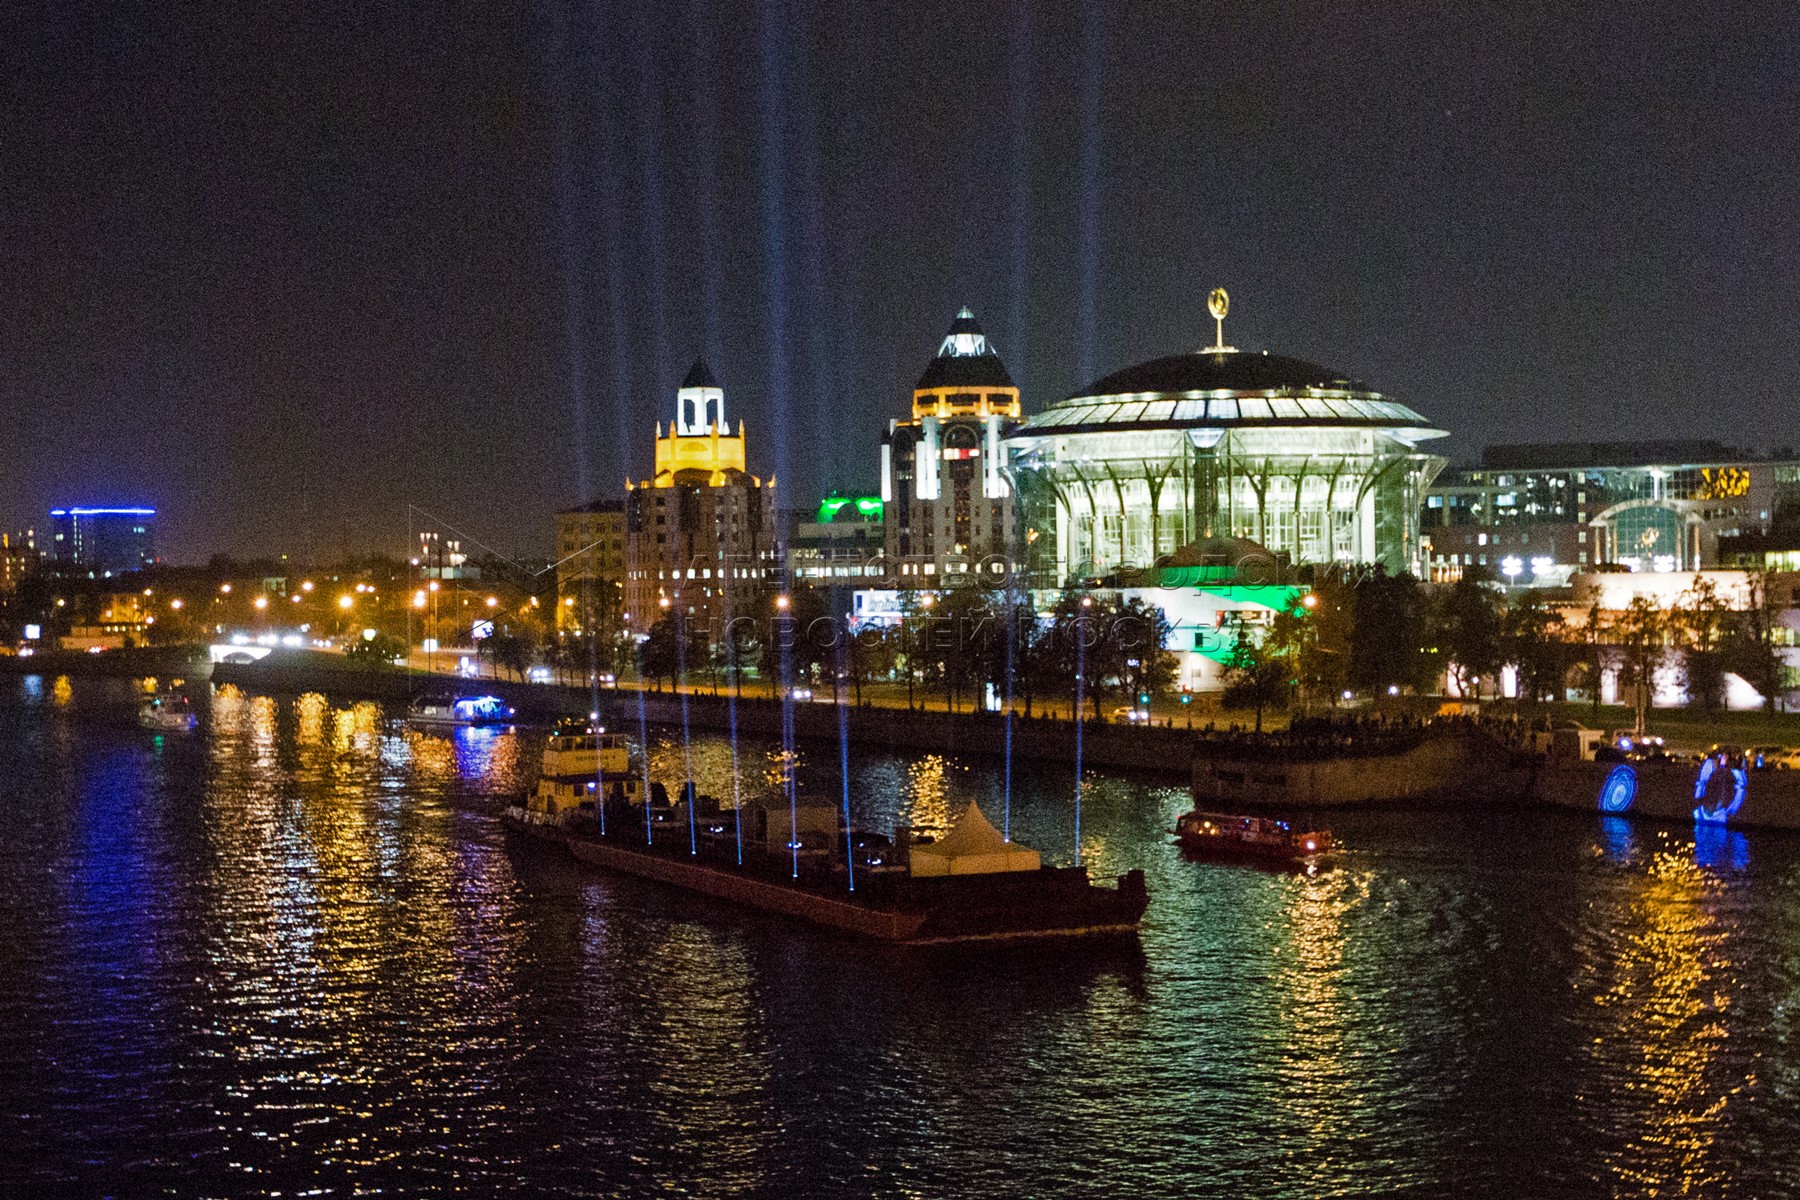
<point>888,905</point>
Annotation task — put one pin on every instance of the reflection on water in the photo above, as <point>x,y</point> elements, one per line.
<point>1718,848</point>
<point>1664,989</point>
<point>293,952</point>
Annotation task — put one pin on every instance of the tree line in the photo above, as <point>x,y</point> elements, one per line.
<point>1387,633</point>
<point>1090,648</point>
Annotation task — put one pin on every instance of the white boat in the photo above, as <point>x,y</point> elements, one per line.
<point>460,710</point>
<point>167,714</point>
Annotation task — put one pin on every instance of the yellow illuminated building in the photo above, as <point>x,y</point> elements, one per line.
<point>699,447</point>
<point>700,541</point>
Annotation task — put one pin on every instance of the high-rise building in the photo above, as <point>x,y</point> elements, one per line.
<point>590,567</point>
<point>102,541</point>
<point>949,503</point>
<point>700,534</point>
<point>18,554</point>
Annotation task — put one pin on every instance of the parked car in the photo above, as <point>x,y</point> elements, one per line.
<point>1773,758</point>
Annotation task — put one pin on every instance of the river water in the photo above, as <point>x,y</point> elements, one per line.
<point>292,954</point>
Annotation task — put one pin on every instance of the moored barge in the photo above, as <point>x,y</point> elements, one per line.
<point>800,861</point>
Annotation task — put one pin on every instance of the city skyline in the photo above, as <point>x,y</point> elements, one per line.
<point>301,275</point>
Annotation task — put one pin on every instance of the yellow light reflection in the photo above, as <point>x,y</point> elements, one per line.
<point>1661,979</point>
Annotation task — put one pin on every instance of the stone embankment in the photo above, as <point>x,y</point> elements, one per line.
<point>1160,752</point>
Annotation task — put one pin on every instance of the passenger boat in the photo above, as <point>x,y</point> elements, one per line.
<point>1260,839</point>
<point>460,710</point>
<point>790,858</point>
<point>583,766</point>
<point>167,712</point>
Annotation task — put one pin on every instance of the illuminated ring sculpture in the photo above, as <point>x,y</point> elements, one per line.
<point>1706,814</point>
<point>1618,790</point>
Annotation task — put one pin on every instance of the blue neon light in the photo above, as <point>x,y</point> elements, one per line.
<point>1720,849</point>
<point>1619,789</point>
<point>103,512</point>
<point>1707,814</point>
<point>482,708</point>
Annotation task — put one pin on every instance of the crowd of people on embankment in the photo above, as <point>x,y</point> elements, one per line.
<point>1357,736</point>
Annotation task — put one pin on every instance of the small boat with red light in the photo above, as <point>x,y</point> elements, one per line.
<point>1254,839</point>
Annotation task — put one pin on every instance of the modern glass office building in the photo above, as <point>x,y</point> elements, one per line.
<point>1537,513</point>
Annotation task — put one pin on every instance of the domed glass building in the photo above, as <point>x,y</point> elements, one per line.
<point>1218,445</point>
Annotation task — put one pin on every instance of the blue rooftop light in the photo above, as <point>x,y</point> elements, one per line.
<point>103,512</point>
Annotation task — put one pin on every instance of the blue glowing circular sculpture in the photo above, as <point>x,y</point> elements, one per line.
<point>1619,789</point>
<point>1709,814</point>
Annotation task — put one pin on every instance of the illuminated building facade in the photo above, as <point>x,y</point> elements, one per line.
<point>949,503</point>
<point>18,554</point>
<point>700,535</point>
<point>590,566</point>
<point>1216,445</point>
<point>1538,513</point>
<point>102,541</point>
<point>842,541</point>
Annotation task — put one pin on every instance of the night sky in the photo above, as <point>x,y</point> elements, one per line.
<point>302,274</point>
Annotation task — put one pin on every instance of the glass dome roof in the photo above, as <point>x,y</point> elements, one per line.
<point>1227,387</point>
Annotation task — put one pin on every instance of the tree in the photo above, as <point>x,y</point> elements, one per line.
<point>959,641</point>
<point>379,652</point>
<point>1257,675</point>
<point>1024,652</point>
<point>1149,666</point>
<point>1589,644</point>
<point>1640,636</point>
<point>736,651</point>
<point>512,652</point>
<point>1531,641</point>
<point>1387,635</point>
<point>870,653</point>
<point>802,637</point>
<point>1322,632</point>
<point>1086,654</point>
<point>1701,621</point>
<point>1748,648</point>
<point>661,654</point>
<point>1466,631</point>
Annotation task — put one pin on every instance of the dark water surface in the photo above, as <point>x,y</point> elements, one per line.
<point>293,954</point>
